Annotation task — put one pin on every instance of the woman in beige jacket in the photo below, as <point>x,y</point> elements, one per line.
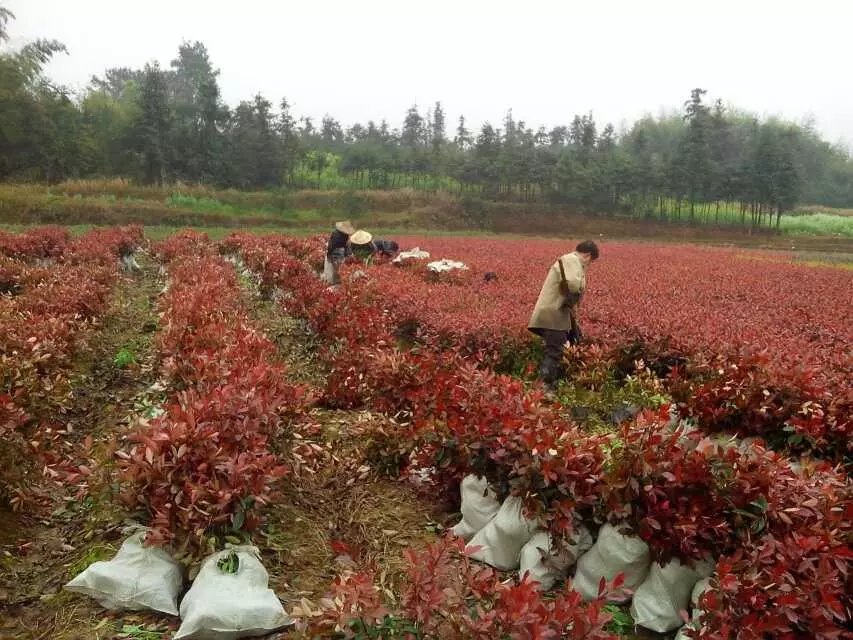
<point>555,317</point>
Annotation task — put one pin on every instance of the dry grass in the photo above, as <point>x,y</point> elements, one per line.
<point>336,497</point>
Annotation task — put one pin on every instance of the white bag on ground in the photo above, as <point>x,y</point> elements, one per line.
<point>682,632</point>
<point>612,554</point>
<point>665,593</point>
<point>137,578</point>
<point>413,254</point>
<point>225,606</point>
<point>503,537</point>
<point>445,265</point>
<point>545,563</point>
<point>701,586</point>
<point>479,506</point>
<point>698,589</point>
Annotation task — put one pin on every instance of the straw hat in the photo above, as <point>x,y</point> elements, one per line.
<point>361,237</point>
<point>345,226</point>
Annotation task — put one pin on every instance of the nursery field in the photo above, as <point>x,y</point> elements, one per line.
<point>311,462</point>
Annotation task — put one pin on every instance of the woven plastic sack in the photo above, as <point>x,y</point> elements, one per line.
<point>698,589</point>
<point>479,506</point>
<point>501,540</point>
<point>611,555</point>
<point>411,254</point>
<point>665,592</point>
<point>545,563</point>
<point>682,632</point>
<point>224,605</point>
<point>137,578</point>
<point>445,265</point>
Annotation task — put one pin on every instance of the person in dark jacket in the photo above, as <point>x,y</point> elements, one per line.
<point>337,250</point>
<point>385,248</point>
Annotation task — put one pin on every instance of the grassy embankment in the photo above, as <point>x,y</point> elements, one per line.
<point>164,208</point>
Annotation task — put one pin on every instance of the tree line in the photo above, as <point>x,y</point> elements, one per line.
<point>161,125</point>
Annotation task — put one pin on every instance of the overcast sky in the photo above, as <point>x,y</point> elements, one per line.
<point>547,60</point>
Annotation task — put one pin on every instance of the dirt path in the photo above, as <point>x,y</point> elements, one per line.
<point>40,554</point>
<point>335,497</point>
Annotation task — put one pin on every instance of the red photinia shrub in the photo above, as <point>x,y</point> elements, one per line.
<point>103,246</point>
<point>43,325</point>
<point>202,465</point>
<point>387,379</point>
<point>448,596</point>
<point>184,243</point>
<point>205,466</point>
<point>41,243</point>
<point>692,499</point>
<point>792,587</point>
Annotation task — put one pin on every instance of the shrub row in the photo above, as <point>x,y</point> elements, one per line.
<point>206,467</point>
<point>46,311</point>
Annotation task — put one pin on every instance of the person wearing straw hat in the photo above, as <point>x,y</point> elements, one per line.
<point>555,316</point>
<point>361,240</point>
<point>337,251</point>
<point>366,246</point>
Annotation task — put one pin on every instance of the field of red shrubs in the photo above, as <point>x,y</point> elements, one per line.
<point>741,343</point>
<point>779,533</point>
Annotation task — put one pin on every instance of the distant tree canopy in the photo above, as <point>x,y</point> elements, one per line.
<point>161,125</point>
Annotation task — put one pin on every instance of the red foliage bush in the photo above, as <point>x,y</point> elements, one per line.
<point>42,243</point>
<point>447,596</point>
<point>205,466</point>
<point>44,323</point>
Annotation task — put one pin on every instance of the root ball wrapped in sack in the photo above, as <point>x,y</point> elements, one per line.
<point>501,540</point>
<point>479,506</point>
<point>612,554</point>
<point>137,578</point>
<point>230,598</point>
<point>665,592</point>
<point>546,562</point>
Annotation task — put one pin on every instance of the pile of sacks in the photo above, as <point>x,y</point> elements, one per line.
<point>229,598</point>
<point>508,541</point>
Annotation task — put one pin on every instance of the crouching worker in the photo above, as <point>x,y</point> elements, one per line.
<point>555,317</point>
<point>365,246</point>
<point>337,251</point>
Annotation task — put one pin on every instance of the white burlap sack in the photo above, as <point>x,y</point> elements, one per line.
<point>682,632</point>
<point>546,563</point>
<point>479,506</point>
<point>444,264</point>
<point>137,578</point>
<point>698,589</point>
<point>411,254</point>
<point>612,554</point>
<point>665,593</point>
<point>225,606</point>
<point>503,537</point>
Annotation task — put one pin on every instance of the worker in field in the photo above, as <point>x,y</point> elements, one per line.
<point>337,251</point>
<point>555,316</point>
<point>364,245</point>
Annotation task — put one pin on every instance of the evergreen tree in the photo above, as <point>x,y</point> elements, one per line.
<point>153,125</point>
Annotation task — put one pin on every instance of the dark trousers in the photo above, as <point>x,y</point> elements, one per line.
<point>551,367</point>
